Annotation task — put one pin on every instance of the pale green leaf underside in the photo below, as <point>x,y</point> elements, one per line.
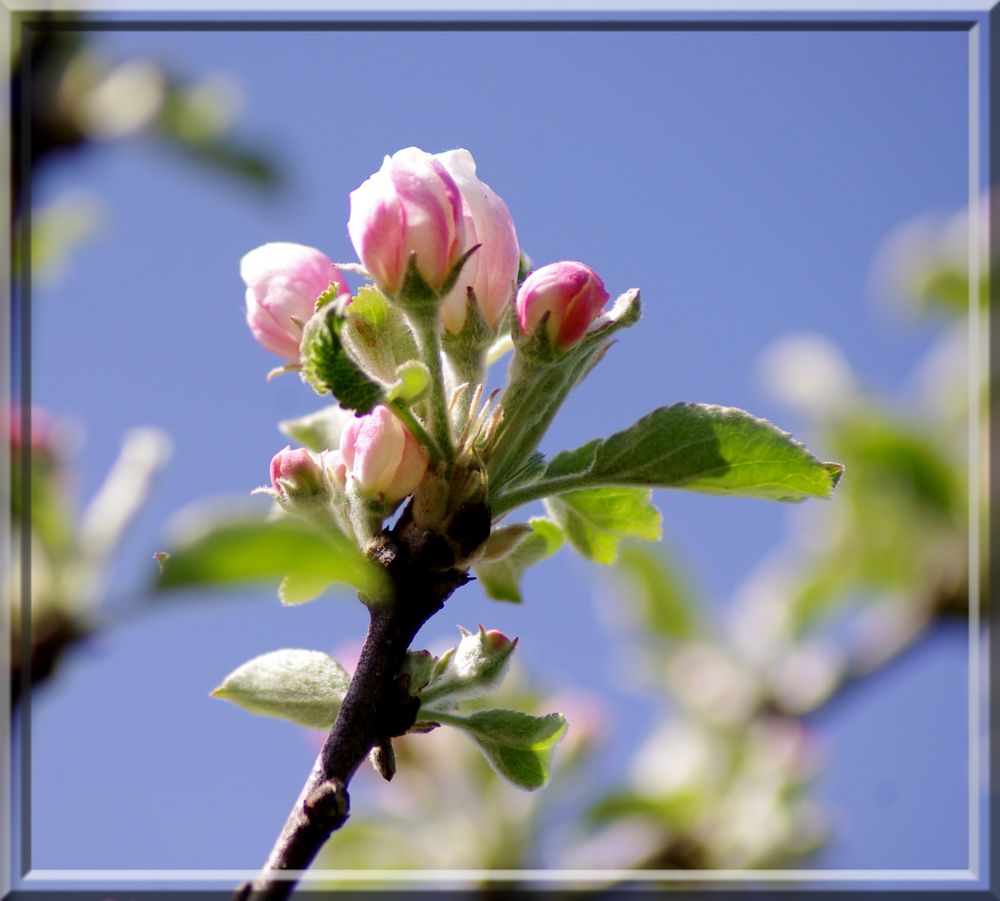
<point>517,745</point>
<point>595,520</point>
<point>305,687</point>
<point>246,550</point>
<point>501,579</point>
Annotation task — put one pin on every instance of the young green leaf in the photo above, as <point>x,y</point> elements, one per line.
<point>245,550</point>
<point>595,520</point>
<point>517,745</point>
<point>717,450</point>
<point>306,687</point>
<point>501,579</point>
<point>328,366</point>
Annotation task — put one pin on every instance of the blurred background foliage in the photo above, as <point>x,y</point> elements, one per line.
<point>77,100</point>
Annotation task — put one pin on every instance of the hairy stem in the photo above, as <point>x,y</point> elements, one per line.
<point>426,328</point>
<point>376,708</point>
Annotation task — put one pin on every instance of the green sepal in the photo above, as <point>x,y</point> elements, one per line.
<point>476,335</point>
<point>596,520</point>
<point>517,745</point>
<point>304,687</point>
<point>456,270</point>
<point>329,368</point>
<point>501,578</point>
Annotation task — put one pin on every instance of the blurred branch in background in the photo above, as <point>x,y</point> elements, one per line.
<point>724,782</point>
<point>76,101</point>
<point>70,556</point>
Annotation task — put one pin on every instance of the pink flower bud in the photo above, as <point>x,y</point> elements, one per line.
<point>295,474</point>
<point>494,640</point>
<point>571,293</point>
<point>382,456</point>
<point>491,271</point>
<point>411,205</point>
<point>283,281</point>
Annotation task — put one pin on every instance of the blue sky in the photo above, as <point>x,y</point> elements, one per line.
<point>743,181</point>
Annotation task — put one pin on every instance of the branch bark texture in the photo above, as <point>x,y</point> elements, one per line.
<point>377,705</point>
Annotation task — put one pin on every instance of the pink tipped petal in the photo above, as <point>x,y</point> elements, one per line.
<point>492,270</point>
<point>283,281</point>
<point>411,205</point>
<point>382,456</point>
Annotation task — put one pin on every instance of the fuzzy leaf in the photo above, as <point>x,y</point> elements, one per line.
<point>501,579</point>
<point>517,745</point>
<point>595,520</point>
<point>232,551</point>
<point>329,368</point>
<point>306,687</point>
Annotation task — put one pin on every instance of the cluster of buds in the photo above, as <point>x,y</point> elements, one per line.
<point>407,353</point>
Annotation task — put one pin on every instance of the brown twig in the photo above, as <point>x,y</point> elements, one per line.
<point>376,708</point>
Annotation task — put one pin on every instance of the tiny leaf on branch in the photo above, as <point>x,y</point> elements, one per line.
<point>517,745</point>
<point>595,520</point>
<point>243,550</point>
<point>305,687</point>
<point>700,447</point>
<point>501,578</point>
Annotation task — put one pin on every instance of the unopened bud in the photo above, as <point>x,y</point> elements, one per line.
<point>572,295</point>
<point>283,282</point>
<point>382,456</point>
<point>296,475</point>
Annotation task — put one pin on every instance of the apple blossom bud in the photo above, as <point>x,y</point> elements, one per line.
<point>491,271</point>
<point>475,666</point>
<point>571,293</point>
<point>295,474</point>
<point>382,456</point>
<point>283,281</point>
<point>411,205</point>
